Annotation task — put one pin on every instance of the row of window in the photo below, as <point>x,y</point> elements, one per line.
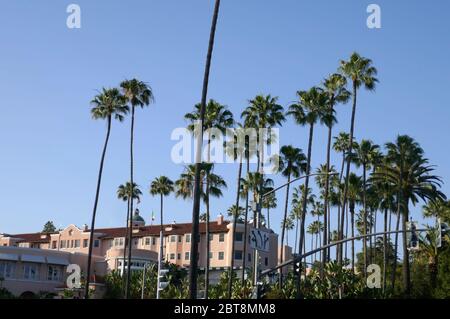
<point>220,255</point>
<point>30,271</point>
<point>238,255</point>
<point>73,243</point>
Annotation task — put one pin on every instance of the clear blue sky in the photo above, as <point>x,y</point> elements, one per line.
<point>50,147</point>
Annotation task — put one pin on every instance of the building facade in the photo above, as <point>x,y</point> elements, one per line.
<point>71,245</point>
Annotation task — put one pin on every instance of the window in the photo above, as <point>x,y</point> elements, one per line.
<point>211,237</point>
<point>54,273</point>
<point>6,269</point>
<point>30,272</point>
<point>147,241</point>
<point>153,240</point>
<point>77,243</point>
<point>186,255</point>
<point>85,243</point>
<point>221,255</point>
<point>238,236</point>
<point>97,243</point>
<point>173,238</point>
<point>266,261</point>
<point>179,256</point>
<point>180,239</point>
<point>211,255</point>
<point>71,243</point>
<point>221,238</point>
<point>172,256</point>
<point>54,244</point>
<point>188,238</point>
<point>62,244</point>
<point>238,254</point>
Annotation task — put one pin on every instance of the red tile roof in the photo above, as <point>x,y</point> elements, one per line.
<point>32,238</point>
<point>177,229</point>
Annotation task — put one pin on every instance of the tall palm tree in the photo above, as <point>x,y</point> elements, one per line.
<point>138,94</point>
<point>106,105</point>
<point>269,202</point>
<point>335,89</point>
<point>237,150</point>
<point>125,193</point>
<point>409,173</point>
<point>193,269</point>
<point>364,156</point>
<point>288,224</point>
<point>297,206</point>
<point>355,190</point>
<point>185,189</point>
<point>253,183</point>
<point>291,163</point>
<point>161,186</point>
<point>217,117</point>
<point>309,110</point>
<point>359,71</point>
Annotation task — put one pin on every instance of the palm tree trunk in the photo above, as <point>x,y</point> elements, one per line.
<point>305,196</point>
<point>94,211</point>
<point>125,243</point>
<point>208,243</point>
<point>193,269</point>
<point>233,235</point>
<point>244,258</point>
<point>365,221</point>
<point>130,228</point>
<point>346,231</point>
<point>347,175</point>
<point>268,217</point>
<point>352,216</point>
<point>385,249</point>
<point>327,187</point>
<point>283,229</point>
<point>161,252</point>
<point>394,266</point>
<point>406,268</point>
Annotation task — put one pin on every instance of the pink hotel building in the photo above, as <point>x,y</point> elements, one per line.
<point>37,262</point>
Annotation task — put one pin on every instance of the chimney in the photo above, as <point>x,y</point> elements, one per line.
<point>85,227</point>
<point>220,219</point>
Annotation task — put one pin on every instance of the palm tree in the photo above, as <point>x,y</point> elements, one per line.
<point>355,190</point>
<point>269,202</point>
<point>297,205</point>
<point>288,225</point>
<point>409,173</point>
<point>107,105</point>
<point>308,111</point>
<point>138,94</point>
<point>197,191</point>
<point>334,88</point>
<point>430,251</point>
<point>216,117</point>
<point>437,209</point>
<point>237,150</point>
<point>318,211</point>
<point>185,189</point>
<point>255,183</point>
<point>359,71</point>
<point>291,162</point>
<point>125,193</point>
<point>263,112</point>
<point>364,156</point>
<point>236,212</point>
<point>161,186</point>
